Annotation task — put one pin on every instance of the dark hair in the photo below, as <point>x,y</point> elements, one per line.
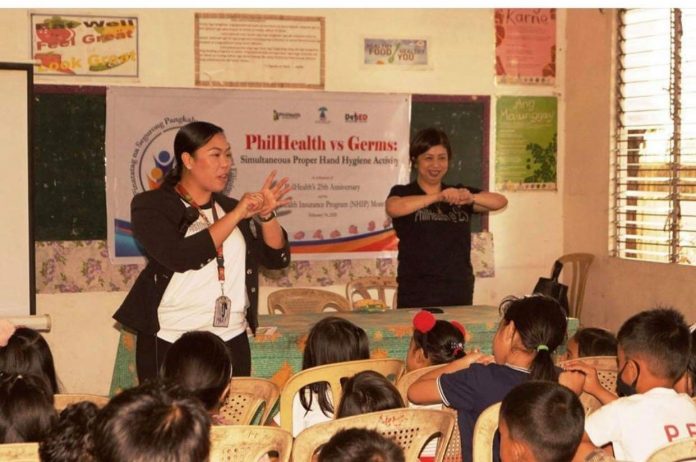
<point>189,139</point>
<point>154,421</point>
<point>331,340</point>
<point>426,139</point>
<point>28,353</point>
<point>442,344</point>
<point>360,445</point>
<point>659,336</point>
<point>691,368</point>
<point>542,325</point>
<point>368,391</point>
<point>593,341</point>
<point>201,364</point>
<point>26,408</point>
<point>547,416</point>
<point>71,438</point>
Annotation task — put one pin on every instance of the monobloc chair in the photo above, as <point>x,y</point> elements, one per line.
<point>607,370</point>
<point>63,400</point>
<point>410,377</point>
<point>290,301</point>
<point>235,443</point>
<point>579,266</point>
<point>411,429</point>
<point>333,374</point>
<point>484,434</point>
<point>20,452</point>
<point>249,397</point>
<point>681,450</point>
<point>371,288</point>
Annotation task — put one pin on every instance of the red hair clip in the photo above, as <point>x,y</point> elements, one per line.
<point>459,326</point>
<point>423,321</point>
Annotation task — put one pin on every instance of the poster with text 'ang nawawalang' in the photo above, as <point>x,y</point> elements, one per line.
<point>526,149</point>
<point>84,45</point>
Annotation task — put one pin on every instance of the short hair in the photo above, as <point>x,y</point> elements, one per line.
<point>331,340</point>
<point>442,344</point>
<point>201,364</point>
<point>368,391</point>
<point>360,445</point>
<point>26,408</point>
<point>426,139</point>
<point>536,411</point>
<point>71,438</point>
<point>155,421</point>
<point>593,341</point>
<point>27,352</point>
<point>661,338</point>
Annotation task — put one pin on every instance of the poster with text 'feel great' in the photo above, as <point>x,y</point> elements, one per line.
<point>342,152</point>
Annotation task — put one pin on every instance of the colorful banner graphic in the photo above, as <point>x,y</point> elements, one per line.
<point>526,149</point>
<point>85,45</point>
<point>396,52</point>
<point>341,151</point>
<point>525,45</point>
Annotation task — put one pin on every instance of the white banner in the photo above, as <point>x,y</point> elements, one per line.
<point>341,151</point>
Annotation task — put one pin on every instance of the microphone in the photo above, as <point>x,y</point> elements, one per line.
<point>190,216</point>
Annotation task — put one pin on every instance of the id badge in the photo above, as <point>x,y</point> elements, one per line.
<point>222,311</point>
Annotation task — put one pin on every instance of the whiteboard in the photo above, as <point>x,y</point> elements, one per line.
<point>17,296</point>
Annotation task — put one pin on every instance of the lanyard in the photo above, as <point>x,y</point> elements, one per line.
<point>220,257</point>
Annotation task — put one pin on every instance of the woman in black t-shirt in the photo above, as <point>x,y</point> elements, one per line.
<point>432,221</point>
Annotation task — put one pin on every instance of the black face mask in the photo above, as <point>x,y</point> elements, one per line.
<point>624,389</point>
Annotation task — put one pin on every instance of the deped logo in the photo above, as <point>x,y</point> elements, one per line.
<point>356,117</point>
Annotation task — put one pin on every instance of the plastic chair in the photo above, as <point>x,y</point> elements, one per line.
<point>484,433</point>
<point>290,301</point>
<point>63,400</point>
<point>607,370</point>
<point>679,450</point>
<point>364,286</point>
<point>408,378</point>
<point>579,265</point>
<point>249,396</point>
<point>233,443</point>
<point>409,428</point>
<point>332,373</point>
<point>20,452</point>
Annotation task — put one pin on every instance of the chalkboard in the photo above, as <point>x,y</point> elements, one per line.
<point>465,119</point>
<point>69,185</point>
<point>69,167</point>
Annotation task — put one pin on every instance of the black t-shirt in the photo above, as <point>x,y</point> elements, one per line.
<point>434,248</point>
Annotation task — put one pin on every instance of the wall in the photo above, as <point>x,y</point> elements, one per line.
<point>616,288</point>
<point>528,235</point>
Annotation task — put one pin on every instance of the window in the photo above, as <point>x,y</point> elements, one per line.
<point>654,171</point>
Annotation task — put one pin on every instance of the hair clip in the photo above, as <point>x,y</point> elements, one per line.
<point>457,347</point>
<point>459,327</point>
<point>423,321</point>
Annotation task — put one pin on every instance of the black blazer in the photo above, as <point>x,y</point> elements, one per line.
<point>159,225</point>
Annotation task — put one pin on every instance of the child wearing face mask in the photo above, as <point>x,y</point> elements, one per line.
<point>653,354</point>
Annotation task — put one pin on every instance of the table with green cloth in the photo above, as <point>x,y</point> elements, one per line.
<point>276,351</point>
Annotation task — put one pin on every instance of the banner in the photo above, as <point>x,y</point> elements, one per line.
<point>341,151</point>
<point>525,45</point>
<point>526,147</point>
<point>85,45</point>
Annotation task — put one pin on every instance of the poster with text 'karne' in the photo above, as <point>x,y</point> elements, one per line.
<point>342,152</point>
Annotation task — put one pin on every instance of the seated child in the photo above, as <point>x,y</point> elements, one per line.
<point>27,352</point>
<point>26,408</point>
<point>70,440</point>
<point>368,391</point>
<point>360,445</point>
<point>540,422</point>
<point>653,353</point>
<point>591,341</point>
<point>200,363</point>
<point>331,340</point>
<point>687,383</point>
<point>434,341</point>
<point>154,421</point>
<point>530,331</point>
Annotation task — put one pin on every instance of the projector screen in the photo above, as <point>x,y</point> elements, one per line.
<point>17,295</point>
